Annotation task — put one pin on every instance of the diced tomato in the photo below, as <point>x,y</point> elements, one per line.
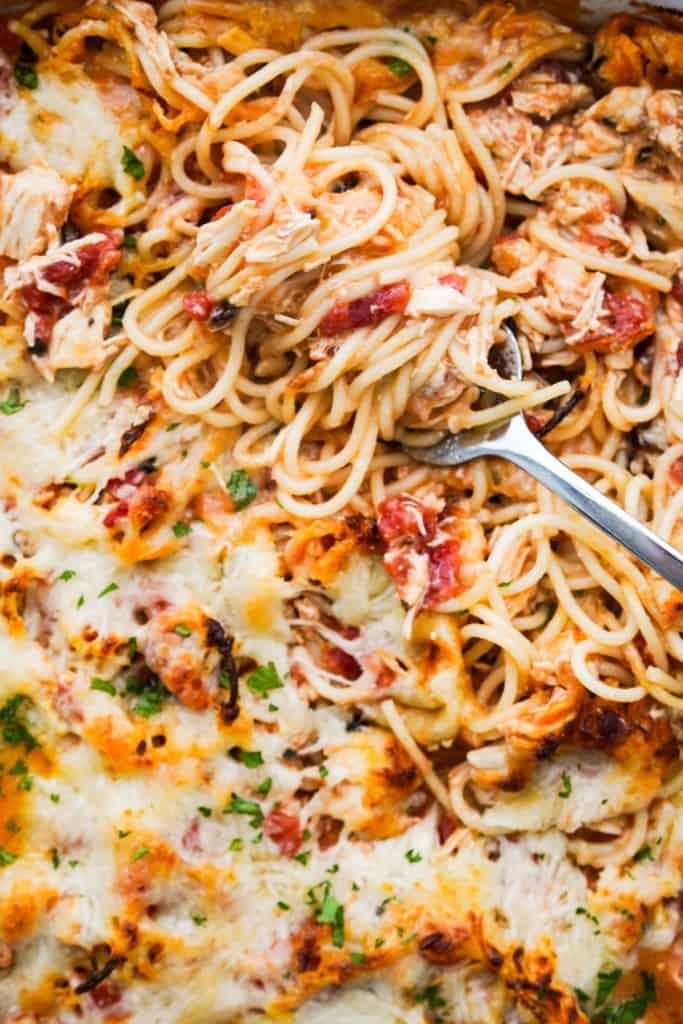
<point>198,305</point>
<point>285,831</point>
<point>403,517</point>
<point>119,511</point>
<point>336,660</point>
<point>122,489</point>
<point>222,211</point>
<point>366,311</point>
<point>444,563</point>
<point>629,319</point>
<point>457,281</point>
<point>679,354</point>
<point>533,422</point>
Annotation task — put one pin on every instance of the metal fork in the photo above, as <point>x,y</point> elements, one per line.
<point>511,439</point>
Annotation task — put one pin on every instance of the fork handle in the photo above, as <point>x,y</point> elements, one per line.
<point>527,452</point>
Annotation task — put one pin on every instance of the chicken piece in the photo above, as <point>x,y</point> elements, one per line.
<point>624,107</point>
<point>33,206</point>
<point>63,298</point>
<point>550,89</point>
<point>661,199</point>
<point>664,116</point>
<point>177,648</point>
<point>572,293</point>
<point>511,137</point>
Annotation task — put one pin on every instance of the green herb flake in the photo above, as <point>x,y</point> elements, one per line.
<point>633,1009</point>
<point>132,164</point>
<point>139,853</point>
<point>55,798</point>
<point>128,378</point>
<point>129,242</point>
<point>430,996</point>
<point>265,787</point>
<point>358,958</point>
<point>150,693</point>
<point>282,905</point>
<point>12,403</point>
<point>19,768</point>
<point>399,67</point>
<point>323,772</point>
<point>182,630</point>
<point>251,758</point>
<point>566,790</point>
<point>413,857</point>
<point>6,857</point>
<point>132,647</point>
<point>67,575</point>
<point>331,912</point>
<point>199,919</point>
<point>606,982</point>
<point>26,76</point>
<point>181,529</point>
<point>644,853</point>
<point>109,589</point>
<point>506,68</point>
<point>236,844</point>
<point>123,833</point>
<point>25,783</point>
<point>238,805</point>
<point>56,859</point>
<point>80,602</point>
<point>303,857</point>
<point>104,685</point>
<point>264,679</point>
<point>172,426</point>
<point>14,730</point>
<point>241,488</point>
<point>205,812</point>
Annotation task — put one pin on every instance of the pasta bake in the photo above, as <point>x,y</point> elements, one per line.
<point>292,727</point>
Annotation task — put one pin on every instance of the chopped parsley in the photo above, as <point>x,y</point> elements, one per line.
<point>323,772</point>
<point>606,982</point>
<point>132,647</point>
<point>505,69</point>
<point>56,859</point>
<point>19,768</point>
<point>241,488</point>
<point>14,729</point>
<point>109,589</point>
<point>182,630</point>
<point>358,958</point>
<point>303,857</point>
<point>251,758</point>
<point>329,910</point>
<point>6,857</point>
<point>25,783</point>
<point>264,679</point>
<point>413,857</point>
<point>238,805</point>
<point>150,693</point>
<point>104,685</point>
<point>282,905</point>
<point>26,75</point>
<point>132,164</point>
<point>129,242</point>
<point>55,798</point>
<point>199,918</point>
<point>12,403</point>
<point>399,67</point>
<point>181,529</point>
<point>205,811</point>
<point>431,996</point>
<point>566,790</point>
<point>123,833</point>
<point>128,378</point>
<point>80,602</point>
<point>264,787</point>
<point>67,575</point>
<point>138,854</point>
<point>644,853</point>
<point>236,844</point>
<point>632,1009</point>
<point>582,912</point>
